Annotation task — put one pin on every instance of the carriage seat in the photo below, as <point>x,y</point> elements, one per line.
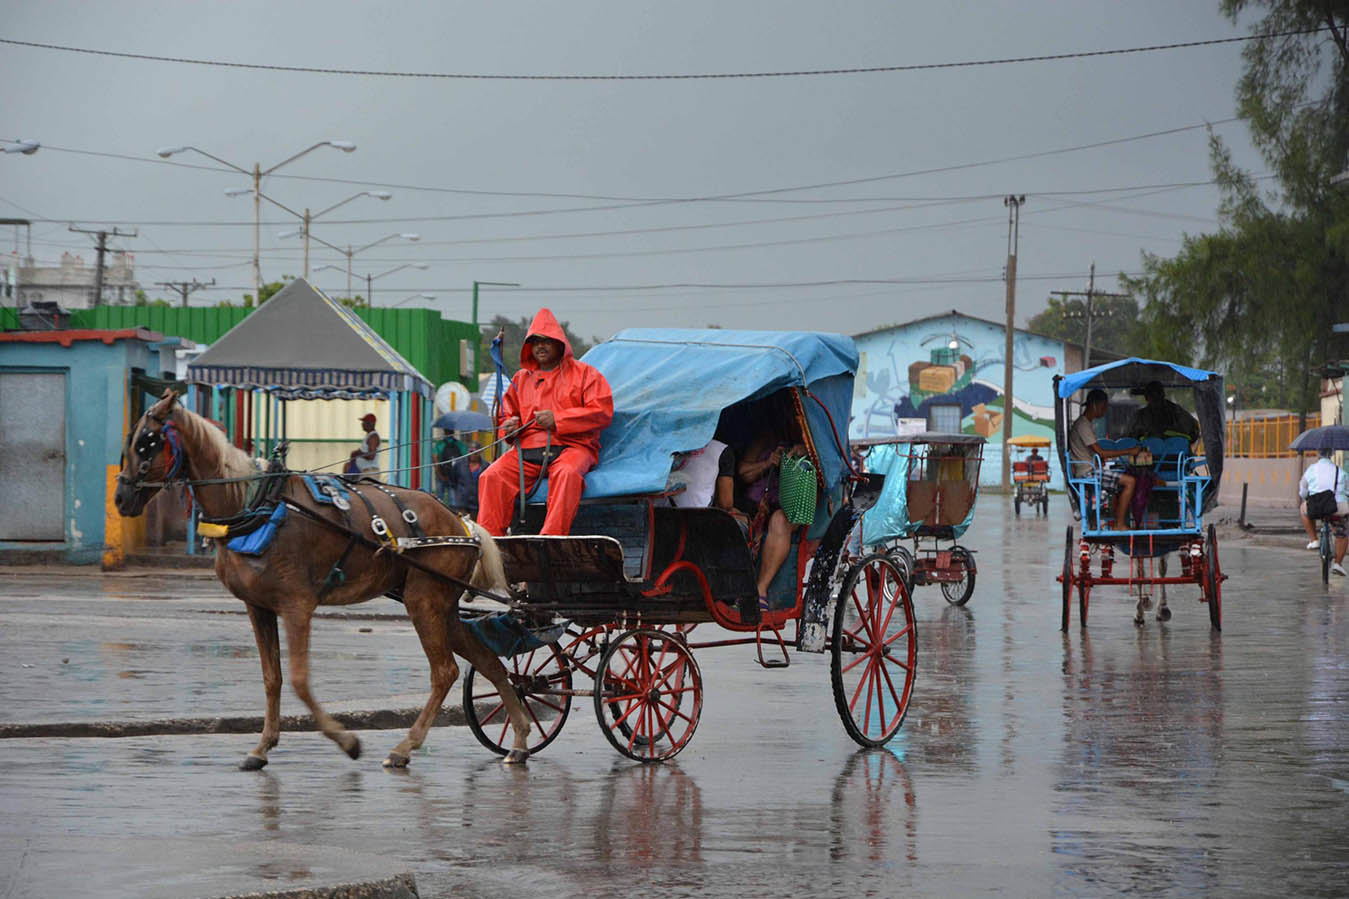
<point>1039,470</point>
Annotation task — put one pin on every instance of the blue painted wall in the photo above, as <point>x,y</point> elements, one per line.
<point>906,368</point>
<point>97,377</point>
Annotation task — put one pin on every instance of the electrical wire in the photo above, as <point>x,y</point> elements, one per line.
<point>862,70</point>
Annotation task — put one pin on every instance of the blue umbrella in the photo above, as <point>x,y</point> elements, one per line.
<point>464,420</point>
<point>1326,437</point>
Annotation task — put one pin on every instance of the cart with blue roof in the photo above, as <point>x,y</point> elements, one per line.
<point>618,600</point>
<point>928,498</point>
<point>1183,478</point>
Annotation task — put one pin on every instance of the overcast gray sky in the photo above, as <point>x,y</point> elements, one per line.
<point>943,233</point>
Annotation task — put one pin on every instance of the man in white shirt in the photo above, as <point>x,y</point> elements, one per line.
<point>1082,450</point>
<point>1321,475</point>
<point>366,459</point>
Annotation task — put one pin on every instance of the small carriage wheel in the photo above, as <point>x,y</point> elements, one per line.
<point>1213,577</point>
<point>959,592</point>
<point>875,651</point>
<point>648,694</point>
<point>1016,504</point>
<point>1044,504</point>
<point>1067,579</point>
<point>903,559</point>
<point>616,710</point>
<point>532,673</point>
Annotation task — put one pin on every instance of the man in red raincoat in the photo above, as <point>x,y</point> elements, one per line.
<point>561,401</point>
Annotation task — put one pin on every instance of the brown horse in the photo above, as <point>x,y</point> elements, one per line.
<point>171,441</point>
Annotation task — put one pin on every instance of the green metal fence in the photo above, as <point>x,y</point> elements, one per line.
<point>429,342</point>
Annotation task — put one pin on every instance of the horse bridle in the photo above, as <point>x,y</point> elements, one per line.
<point>147,444</point>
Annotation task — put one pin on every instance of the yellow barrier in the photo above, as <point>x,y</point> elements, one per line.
<point>1265,438</point>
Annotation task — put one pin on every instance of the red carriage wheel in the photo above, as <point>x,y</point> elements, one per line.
<point>875,651</point>
<point>649,695</point>
<point>1213,580</point>
<point>958,593</point>
<point>1067,578</point>
<point>542,680</point>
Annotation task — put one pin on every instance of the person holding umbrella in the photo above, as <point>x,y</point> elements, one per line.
<point>1325,477</point>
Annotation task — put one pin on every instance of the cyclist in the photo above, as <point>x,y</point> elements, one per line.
<point>1324,475</point>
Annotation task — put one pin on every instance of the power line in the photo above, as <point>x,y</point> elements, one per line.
<point>864,70</point>
<point>636,202</point>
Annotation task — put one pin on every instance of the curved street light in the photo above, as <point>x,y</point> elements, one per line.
<point>350,251</point>
<point>257,174</point>
<point>26,147</point>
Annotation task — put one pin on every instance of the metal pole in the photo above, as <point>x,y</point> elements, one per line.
<point>369,291</point>
<point>306,243</point>
<point>1013,203</point>
<point>257,233</point>
<point>475,307</point>
<point>1091,291</point>
<point>348,271</point>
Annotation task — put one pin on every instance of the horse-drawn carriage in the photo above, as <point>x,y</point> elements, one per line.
<point>1182,478</point>
<point>928,497</point>
<point>618,600</point>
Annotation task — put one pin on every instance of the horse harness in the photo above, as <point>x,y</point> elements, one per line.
<point>147,444</point>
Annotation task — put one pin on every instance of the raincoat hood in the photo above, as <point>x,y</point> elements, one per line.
<point>544,325</point>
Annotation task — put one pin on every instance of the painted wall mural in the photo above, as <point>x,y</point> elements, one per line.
<point>950,369</point>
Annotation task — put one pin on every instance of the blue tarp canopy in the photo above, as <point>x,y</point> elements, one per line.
<point>889,518</point>
<point>671,385</point>
<point>1132,372</point>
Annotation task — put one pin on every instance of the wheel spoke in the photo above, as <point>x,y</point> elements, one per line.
<point>861,657</point>
<point>891,639</point>
<point>493,714</point>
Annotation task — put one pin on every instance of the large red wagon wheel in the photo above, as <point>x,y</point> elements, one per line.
<point>542,680</point>
<point>648,695</point>
<point>875,651</point>
<point>1213,580</point>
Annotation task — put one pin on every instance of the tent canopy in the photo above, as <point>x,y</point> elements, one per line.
<point>671,385</point>
<point>1133,372</point>
<point>302,340</point>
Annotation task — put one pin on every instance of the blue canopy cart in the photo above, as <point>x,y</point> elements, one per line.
<point>618,599</point>
<point>1181,477</point>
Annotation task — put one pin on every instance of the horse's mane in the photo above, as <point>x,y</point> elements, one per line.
<point>212,455</point>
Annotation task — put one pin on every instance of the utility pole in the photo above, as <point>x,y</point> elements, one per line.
<point>186,287</point>
<point>102,247</point>
<point>1013,202</point>
<point>1087,312</point>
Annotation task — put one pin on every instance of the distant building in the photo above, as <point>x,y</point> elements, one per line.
<point>71,284</point>
<point>945,373</point>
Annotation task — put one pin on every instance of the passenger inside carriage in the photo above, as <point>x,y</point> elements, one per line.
<point>1083,449</point>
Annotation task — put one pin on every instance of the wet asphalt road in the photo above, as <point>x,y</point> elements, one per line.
<point>1166,760</point>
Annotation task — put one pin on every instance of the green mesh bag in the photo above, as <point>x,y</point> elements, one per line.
<point>797,486</point>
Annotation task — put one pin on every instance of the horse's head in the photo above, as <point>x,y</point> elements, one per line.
<point>148,459</point>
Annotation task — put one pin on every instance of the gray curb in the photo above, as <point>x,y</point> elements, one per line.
<point>383,719</point>
<point>399,886</point>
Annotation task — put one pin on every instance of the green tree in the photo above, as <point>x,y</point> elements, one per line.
<point>1258,298</point>
<point>1114,326</point>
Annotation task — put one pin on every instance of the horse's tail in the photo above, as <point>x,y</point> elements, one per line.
<point>490,572</point>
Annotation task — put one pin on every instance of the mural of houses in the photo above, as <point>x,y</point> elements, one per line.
<point>945,373</point>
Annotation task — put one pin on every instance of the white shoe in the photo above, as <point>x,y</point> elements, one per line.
<point>1338,569</point>
<point>1315,544</point>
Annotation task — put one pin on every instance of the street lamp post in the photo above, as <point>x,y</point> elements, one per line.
<point>257,174</point>
<point>350,252</point>
<point>370,279</point>
<point>475,296</point>
<point>306,217</point>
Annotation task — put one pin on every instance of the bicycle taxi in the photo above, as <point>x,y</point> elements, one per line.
<point>1030,475</point>
<point>928,497</point>
<point>618,600</point>
<point>1183,481</point>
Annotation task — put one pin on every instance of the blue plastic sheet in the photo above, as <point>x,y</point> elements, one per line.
<point>1144,370</point>
<point>889,518</point>
<point>670,386</point>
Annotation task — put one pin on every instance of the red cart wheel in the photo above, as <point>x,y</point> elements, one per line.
<point>1067,577</point>
<point>542,680</point>
<point>1213,580</point>
<point>875,651</point>
<point>648,695</point>
<point>1083,600</point>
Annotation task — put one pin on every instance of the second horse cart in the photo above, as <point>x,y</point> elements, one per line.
<point>931,484</point>
<point>608,615</point>
<point>1182,478</point>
